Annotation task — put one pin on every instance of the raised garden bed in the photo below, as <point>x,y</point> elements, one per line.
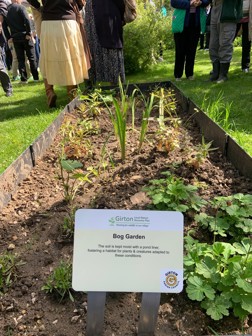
<point>31,225</point>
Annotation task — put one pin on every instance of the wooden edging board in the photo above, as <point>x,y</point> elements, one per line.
<point>21,167</point>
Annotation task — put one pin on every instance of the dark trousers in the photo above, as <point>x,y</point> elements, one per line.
<point>4,77</point>
<point>26,47</point>
<point>246,45</point>
<point>185,49</point>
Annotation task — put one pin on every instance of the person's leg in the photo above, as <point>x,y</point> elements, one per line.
<point>246,47</point>
<point>20,52</point>
<point>4,77</point>
<point>214,42</point>
<point>193,35</point>
<point>201,41</point>
<point>71,91</point>
<point>227,35</point>
<point>30,53</point>
<point>50,94</point>
<point>179,39</point>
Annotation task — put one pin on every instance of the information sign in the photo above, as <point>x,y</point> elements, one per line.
<point>128,251</point>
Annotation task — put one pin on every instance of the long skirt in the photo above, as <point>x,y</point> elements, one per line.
<point>62,58</point>
<point>107,65</point>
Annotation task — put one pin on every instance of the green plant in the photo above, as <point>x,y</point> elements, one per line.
<point>68,223</point>
<point>9,264</point>
<point>232,216</point>
<point>220,277</point>
<point>171,193</point>
<point>118,115</point>
<point>219,111</point>
<point>167,138</point>
<point>201,153</point>
<point>148,106</point>
<point>59,282</point>
<point>73,178</point>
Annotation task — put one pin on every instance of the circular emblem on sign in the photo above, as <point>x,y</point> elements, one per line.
<point>171,280</point>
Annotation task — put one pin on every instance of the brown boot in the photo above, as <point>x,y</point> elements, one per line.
<point>50,94</point>
<point>72,92</point>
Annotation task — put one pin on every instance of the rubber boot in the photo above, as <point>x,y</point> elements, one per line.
<point>224,67</point>
<point>50,94</point>
<point>215,72</point>
<point>72,92</point>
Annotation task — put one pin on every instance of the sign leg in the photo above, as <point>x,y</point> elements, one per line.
<point>149,314</point>
<point>95,313</point>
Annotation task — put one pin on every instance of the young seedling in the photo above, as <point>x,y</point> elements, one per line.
<point>201,154</point>
<point>9,264</point>
<point>73,178</point>
<point>59,282</point>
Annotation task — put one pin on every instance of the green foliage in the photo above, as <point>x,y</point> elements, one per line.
<point>59,282</point>
<point>9,264</point>
<point>68,224</point>
<point>171,193</point>
<point>220,277</point>
<point>232,216</point>
<point>142,38</point>
<point>201,153</point>
<point>148,106</point>
<point>73,178</point>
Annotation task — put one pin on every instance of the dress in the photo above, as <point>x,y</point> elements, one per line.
<point>107,63</point>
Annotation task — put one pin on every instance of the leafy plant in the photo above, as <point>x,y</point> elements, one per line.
<point>220,277</point>
<point>73,178</point>
<point>68,223</point>
<point>119,115</point>
<point>149,103</point>
<point>171,193</point>
<point>59,282</point>
<point>201,153</point>
<point>9,264</point>
<point>232,216</point>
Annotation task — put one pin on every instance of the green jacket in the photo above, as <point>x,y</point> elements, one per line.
<point>231,11</point>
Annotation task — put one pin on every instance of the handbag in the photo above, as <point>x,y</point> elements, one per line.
<point>130,12</point>
<point>178,20</point>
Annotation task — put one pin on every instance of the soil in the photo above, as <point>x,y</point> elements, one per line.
<point>31,228</point>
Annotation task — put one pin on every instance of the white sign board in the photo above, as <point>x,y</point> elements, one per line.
<point>128,251</point>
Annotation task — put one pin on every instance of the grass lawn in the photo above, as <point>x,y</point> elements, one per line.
<point>25,115</point>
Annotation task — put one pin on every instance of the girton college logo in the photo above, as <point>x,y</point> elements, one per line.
<point>171,279</point>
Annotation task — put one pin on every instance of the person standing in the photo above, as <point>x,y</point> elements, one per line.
<point>104,27</point>
<point>186,41</point>
<point>224,17</point>
<point>62,57</point>
<point>21,36</point>
<point>4,77</point>
<point>246,43</point>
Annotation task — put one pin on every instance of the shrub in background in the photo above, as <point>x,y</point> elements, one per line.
<point>143,36</point>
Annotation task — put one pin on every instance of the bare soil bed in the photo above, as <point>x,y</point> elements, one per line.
<point>30,227</point>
